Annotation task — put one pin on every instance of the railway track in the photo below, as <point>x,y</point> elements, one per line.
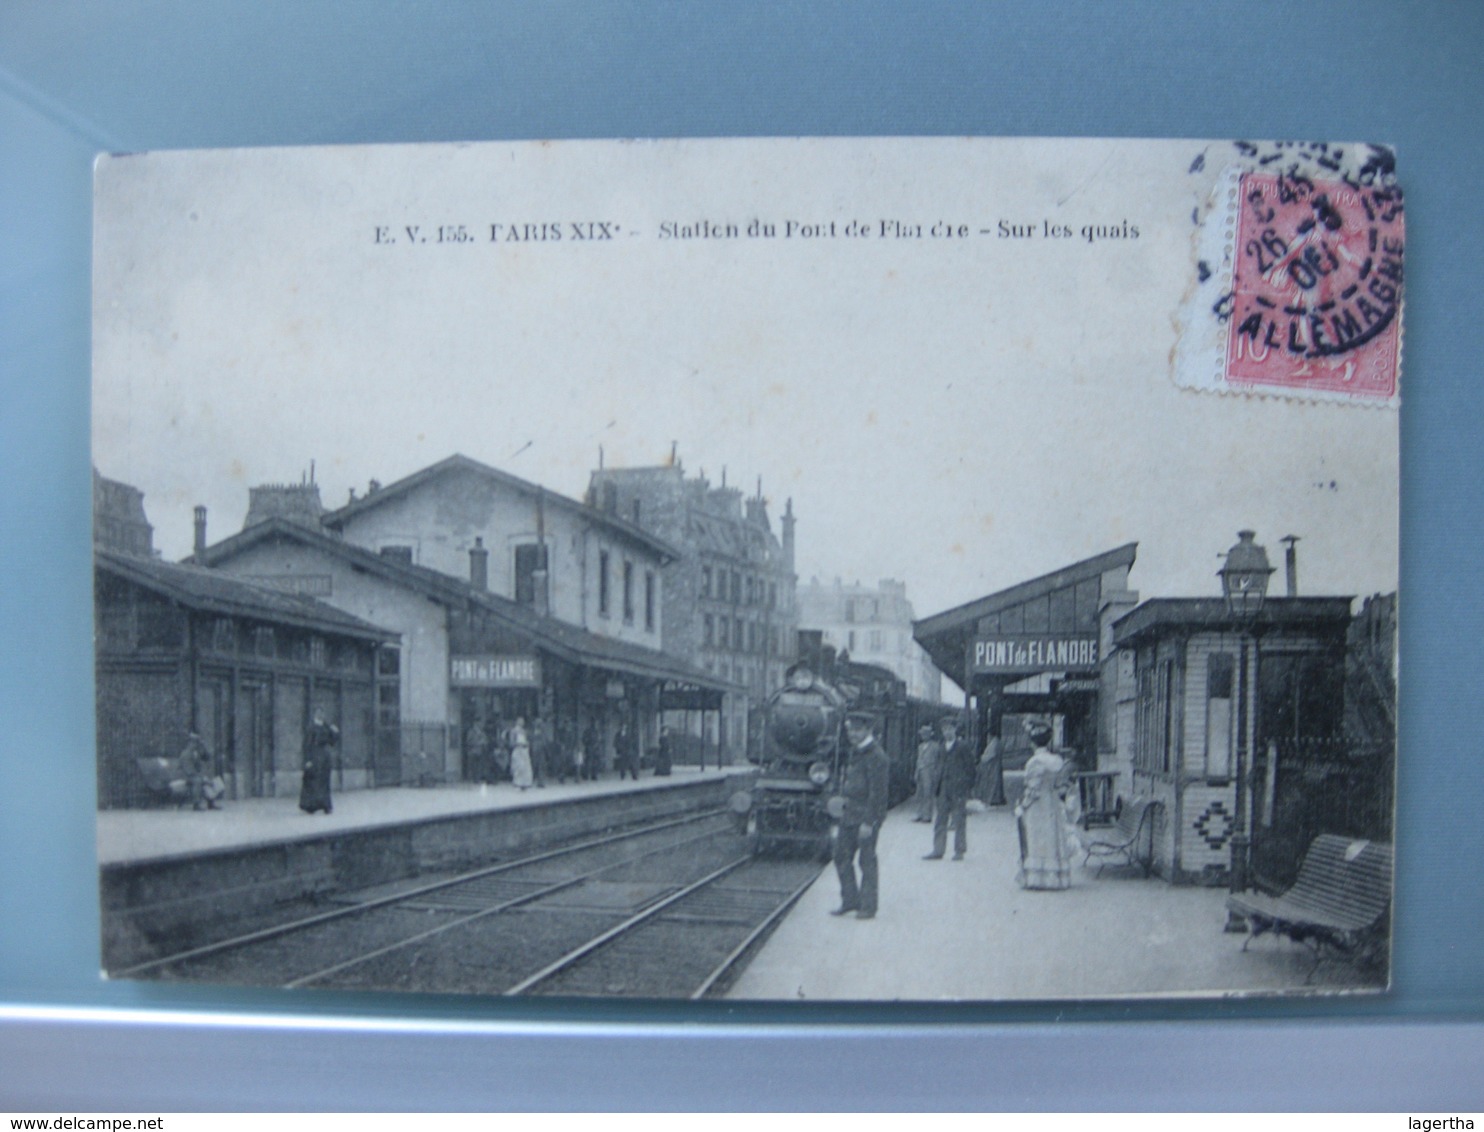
<point>666,910</point>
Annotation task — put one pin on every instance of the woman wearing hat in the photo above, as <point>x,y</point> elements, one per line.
<point>1046,845</point>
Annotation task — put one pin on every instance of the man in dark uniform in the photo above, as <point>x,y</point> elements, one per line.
<point>592,752</point>
<point>957,768</point>
<point>863,795</point>
<point>626,748</point>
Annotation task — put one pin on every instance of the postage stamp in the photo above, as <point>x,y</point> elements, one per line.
<point>1303,258</point>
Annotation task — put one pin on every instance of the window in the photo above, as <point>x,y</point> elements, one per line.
<point>389,661</point>
<point>708,628</point>
<point>772,595</point>
<point>736,587</point>
<point>636,512</point>
<point>649,597</point>
<point>628,592</point>
<point>1156,726</point>
<point>402,554</point>
<point>263,640</point>
<point>737,634</point>
<point>851,645</point>
<point>603,586</point>
<point>723,630</point>
<point>530,561</point>
<point>876,640</point>
<point>1300,696</point>
<point>388,705</point>
<point>160,625</point>
<point>318,655</point>
<point>705,581</point>
<point>850,609</point>
<point>224,635</point>
<point>1220,676</point>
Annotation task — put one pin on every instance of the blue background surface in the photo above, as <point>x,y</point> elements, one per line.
<point>78,78</point>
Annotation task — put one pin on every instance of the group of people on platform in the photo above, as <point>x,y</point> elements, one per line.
<point>948,774</point>
<point>204,786</point>
<point>524,756</point>
<point>530,756</point>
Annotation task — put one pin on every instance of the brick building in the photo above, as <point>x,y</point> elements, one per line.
<point>730,606</point>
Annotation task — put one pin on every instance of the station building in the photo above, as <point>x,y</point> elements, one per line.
<point>1237,719</point>
<point>1209,699</point>
<point>182,649</point>
<point>509,601</point>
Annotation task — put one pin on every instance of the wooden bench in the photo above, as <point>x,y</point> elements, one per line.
<point>1131,839</point>
<point>163,779</point>
<point>1338,906</point>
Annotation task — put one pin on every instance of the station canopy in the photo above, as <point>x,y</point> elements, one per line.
<point>1048,624</point>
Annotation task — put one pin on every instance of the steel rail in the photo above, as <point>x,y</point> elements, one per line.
<point>264,934</point>
<point>617,930</point>
<point>504,905</point>
<point>752,936</point>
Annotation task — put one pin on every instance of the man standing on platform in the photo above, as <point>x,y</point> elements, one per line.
<point>956,770</point>
<point>864,809</point>
<point>592,761</point>
<point>626,747</point>
<point>928,752</point>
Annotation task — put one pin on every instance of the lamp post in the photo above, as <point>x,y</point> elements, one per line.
<point>1244,583</point>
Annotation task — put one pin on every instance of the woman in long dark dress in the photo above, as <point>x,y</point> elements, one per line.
<point>320,741</point>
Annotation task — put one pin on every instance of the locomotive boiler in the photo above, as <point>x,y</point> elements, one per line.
<point>803,750</point>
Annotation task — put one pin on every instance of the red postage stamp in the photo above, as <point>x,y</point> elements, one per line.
<point>1317,286</point>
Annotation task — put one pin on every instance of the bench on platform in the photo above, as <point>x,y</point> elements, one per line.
<point>164,781</point>
<point>1338,905</point>
<point>1131,839</point>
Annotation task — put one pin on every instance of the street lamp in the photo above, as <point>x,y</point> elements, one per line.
<point>1244,583</point>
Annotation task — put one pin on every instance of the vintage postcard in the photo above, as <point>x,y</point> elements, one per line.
<point>784,569</point>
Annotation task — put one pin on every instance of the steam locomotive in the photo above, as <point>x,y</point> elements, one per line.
<point>803,751</point>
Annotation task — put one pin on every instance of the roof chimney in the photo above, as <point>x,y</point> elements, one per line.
<point>479,565</point>
<point>1290,564</point>
<point>200,543</point>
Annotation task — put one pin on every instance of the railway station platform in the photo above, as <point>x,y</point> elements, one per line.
<point>964,930</point>
<point>130,836</point>
<point>164,871</point>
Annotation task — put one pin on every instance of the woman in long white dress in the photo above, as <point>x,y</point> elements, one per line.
<point>520,756</point>
<point>1046,842</point>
